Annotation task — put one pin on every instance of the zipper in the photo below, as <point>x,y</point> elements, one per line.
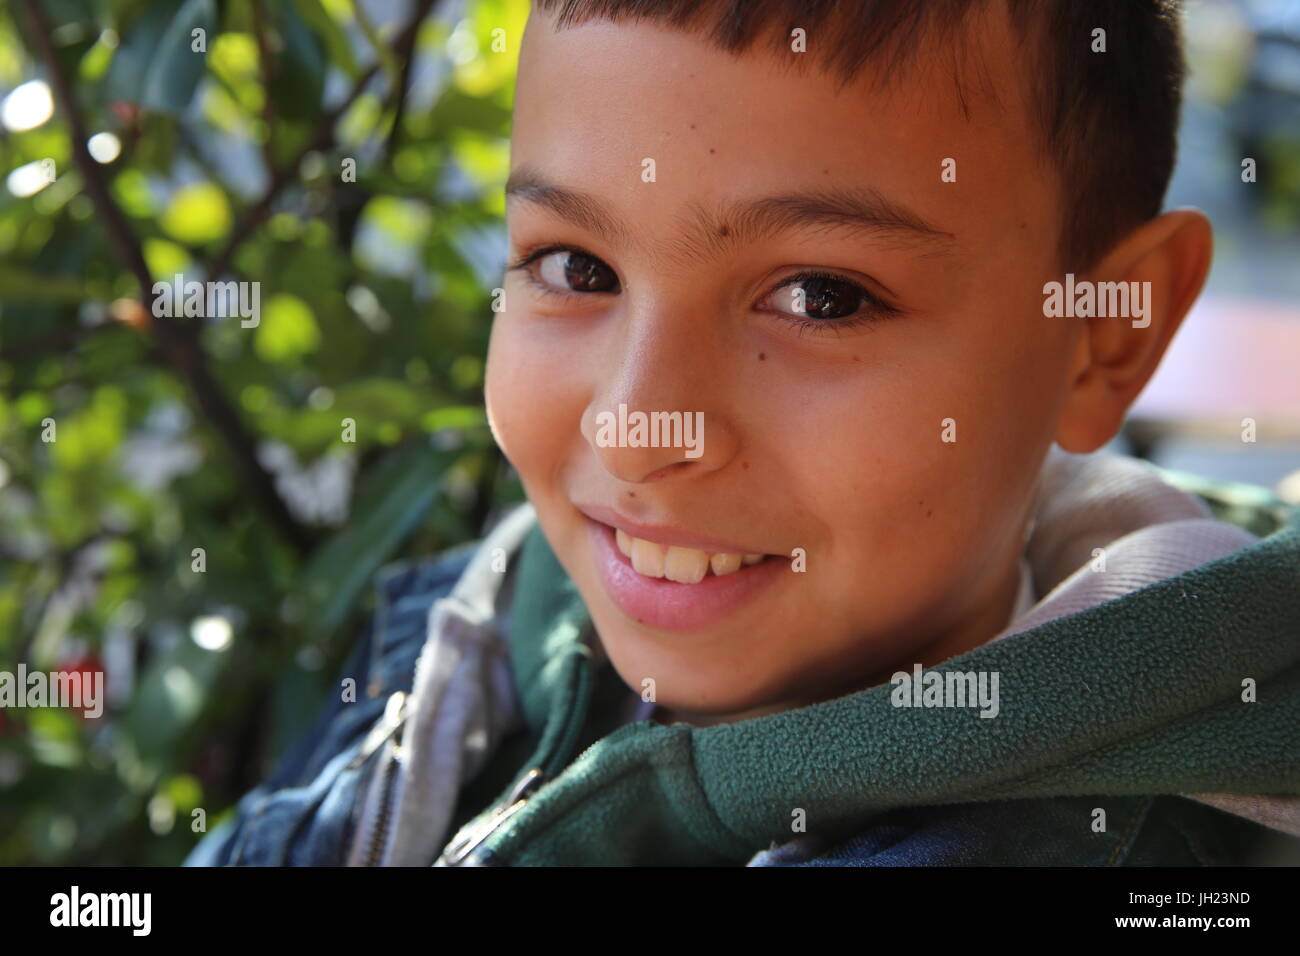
<point>379,835</point>
<point>556,750</point>
<point>388,726</point>
<point>472,834</point>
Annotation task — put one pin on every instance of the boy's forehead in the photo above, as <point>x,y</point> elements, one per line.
<point>978,65</point>
<point>596,102</point>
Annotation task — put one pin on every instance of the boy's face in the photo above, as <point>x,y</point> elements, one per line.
<point>823,431</point>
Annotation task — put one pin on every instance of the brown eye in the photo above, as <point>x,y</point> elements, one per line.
<point>576,272</point>
<point>824,298</point>
<point>815,301</point>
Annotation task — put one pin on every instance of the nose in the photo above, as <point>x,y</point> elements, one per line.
<point>661,413</point>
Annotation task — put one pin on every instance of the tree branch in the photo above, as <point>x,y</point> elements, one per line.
<point>127,248</point>
<point>281,178</point>
<point>178,344</point>
<point>405,50</point>
<point>266,66</point>
<point>322,139</point>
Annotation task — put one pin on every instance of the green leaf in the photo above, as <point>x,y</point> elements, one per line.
<point>458,110</point>
<point>20,285</point>
<point>455,416</point>
<point>164,259</point>
<point>170,81</point>
<point>396,498</point>
<point>197,214</point>
<point>298,80</point>
<point>373,401</point>
<point>172,694</point>
<point>328,29</point>
<point>287,330</point>
<point>155,64</point>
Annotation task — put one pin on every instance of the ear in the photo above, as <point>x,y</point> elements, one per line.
<point>1115,356</point>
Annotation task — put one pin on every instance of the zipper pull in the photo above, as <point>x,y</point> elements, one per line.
<point>388,725</point>
<point>475,832</point>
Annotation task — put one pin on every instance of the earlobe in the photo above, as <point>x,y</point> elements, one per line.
<point>1092,415</point>
<point>1133,303</point>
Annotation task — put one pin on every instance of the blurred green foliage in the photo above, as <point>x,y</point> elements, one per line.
<point>374,307</point>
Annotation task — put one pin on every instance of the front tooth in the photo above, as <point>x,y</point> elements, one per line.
<point>752,559</point>
<point>686,565</point>
<point>648,558</point>
<point>724,563</point>
<point>624,541</point>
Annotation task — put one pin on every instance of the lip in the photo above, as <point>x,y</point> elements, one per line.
<point>669,605</point>
<point>666,535</point>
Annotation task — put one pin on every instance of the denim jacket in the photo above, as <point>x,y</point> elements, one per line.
<point>305,813</point>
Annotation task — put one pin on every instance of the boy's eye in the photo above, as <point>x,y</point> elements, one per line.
<point>822,301</point>
<point>819,297</point>
<point>573,271</point>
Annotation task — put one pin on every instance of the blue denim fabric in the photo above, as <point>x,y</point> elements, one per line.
<point>304,813</point>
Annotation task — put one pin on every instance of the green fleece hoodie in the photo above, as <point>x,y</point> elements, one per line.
<point>1144,695</point>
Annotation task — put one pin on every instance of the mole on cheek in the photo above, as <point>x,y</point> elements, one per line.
<point>762,356</point>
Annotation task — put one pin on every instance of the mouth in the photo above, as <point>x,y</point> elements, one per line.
<point>675,587</point>
<point>680,564</point>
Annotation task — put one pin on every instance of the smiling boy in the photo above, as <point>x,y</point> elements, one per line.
<point>829,232</point>
<point>824,429</point>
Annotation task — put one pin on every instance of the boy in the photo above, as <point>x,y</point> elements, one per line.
<point>883,607</point>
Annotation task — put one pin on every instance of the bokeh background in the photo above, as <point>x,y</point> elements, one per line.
<point>128,157</point>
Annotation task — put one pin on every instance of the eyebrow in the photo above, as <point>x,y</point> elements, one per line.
<point>864,212</point>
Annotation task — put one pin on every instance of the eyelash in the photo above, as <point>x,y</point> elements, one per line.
<point>878,308</point>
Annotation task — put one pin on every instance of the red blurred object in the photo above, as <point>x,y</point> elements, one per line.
<point>84,668</point>
<point>126,111</point>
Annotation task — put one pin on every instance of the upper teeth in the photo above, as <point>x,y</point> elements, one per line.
<point>684,565</point>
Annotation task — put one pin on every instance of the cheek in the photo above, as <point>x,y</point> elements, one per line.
<point>889,490</point>
<point>532,387</point>
<point>511,385</point>
<point>966,462</point>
